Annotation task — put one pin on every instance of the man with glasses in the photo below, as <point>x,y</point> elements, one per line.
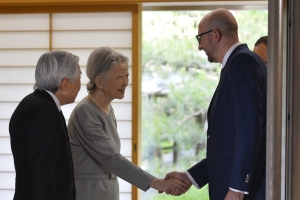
<point>235,161</point>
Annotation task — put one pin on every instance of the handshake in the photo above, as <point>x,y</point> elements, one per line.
<point>174,183</point>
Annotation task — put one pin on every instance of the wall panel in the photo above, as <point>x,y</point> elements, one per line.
<point>4,128</point>
<point>85,52</point>
<point>20,57</point>
<point>24,22</point>
<point>92,21</point>
<point>24,37</point>
<point>88,39</point>
<point>15,40</point>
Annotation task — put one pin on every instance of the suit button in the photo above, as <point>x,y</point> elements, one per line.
<point>208,137</point>
<point>247,178</point>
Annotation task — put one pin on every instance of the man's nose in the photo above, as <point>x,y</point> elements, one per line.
<point>200,47</point>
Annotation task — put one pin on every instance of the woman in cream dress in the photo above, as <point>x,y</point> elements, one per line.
<point>94,138</point>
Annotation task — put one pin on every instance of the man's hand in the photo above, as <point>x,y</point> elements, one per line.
<point>168,185</point>
<point>181,176</point>
<point>232,195</point>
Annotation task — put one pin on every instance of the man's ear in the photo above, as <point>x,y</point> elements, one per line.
<point>62,91</point>
<point>63,84</point>
<point>217,35</point>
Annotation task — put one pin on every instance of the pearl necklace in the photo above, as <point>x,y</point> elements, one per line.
<point>99,105</point>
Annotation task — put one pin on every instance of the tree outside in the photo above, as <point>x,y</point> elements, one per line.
<point>178,84</point>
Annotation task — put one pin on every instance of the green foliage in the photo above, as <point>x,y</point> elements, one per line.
<point>170,49</point>
<point>169,41</point>
<point>172,117</point>
<point>253,24</point>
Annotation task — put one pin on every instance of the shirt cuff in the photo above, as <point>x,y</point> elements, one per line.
<point>191,179</point>
<point>196,185</point>
<point>238,191</point>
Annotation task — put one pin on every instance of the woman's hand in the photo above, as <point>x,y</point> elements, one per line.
<point>171,184</point>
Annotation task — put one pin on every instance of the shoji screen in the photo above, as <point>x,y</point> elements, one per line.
<point>80,33</point>
<point>24,37</point>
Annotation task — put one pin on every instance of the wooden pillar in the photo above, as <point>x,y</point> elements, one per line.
<point>293,53</point>
<point>274,99</point>
<point>283,119</point>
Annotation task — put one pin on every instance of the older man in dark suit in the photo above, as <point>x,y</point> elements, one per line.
<point>39,140</point>
<point>235,161</point>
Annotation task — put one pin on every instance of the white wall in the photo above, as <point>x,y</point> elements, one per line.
<point>24,37</point>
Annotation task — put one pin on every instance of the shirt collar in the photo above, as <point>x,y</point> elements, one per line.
<point>55,99</point>
<point>230,50</point>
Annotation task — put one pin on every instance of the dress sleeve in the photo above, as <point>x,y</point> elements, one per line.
<point>91,134</point>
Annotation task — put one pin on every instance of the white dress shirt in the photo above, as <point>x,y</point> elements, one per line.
<point>55,100</point>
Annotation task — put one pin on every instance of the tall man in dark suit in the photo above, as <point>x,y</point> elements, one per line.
<point>234,167</point>
<point>39,140</point>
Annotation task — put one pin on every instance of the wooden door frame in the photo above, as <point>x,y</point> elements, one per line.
<point>136,10</point>
<point>282,117</point>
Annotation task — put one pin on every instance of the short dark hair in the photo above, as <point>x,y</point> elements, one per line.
<point>263,39</point>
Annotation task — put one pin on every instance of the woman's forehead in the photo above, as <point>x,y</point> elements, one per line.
<point>122,66</point>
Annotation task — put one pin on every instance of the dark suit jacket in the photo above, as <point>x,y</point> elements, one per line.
<point>40,146</point>
<point>236,136</point>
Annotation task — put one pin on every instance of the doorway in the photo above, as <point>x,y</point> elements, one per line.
<point>177,85</point>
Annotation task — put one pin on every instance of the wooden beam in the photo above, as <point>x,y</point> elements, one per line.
<point>40,2</point>
<point>64,8</point>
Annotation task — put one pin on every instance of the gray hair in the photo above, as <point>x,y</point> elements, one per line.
<point>99,63</point>
<point>52,67</point>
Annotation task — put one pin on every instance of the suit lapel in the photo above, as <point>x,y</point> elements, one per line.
<point>212,105</point>
<point>63,121</point>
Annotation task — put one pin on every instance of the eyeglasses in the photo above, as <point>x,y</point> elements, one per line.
<point>198,37</point>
